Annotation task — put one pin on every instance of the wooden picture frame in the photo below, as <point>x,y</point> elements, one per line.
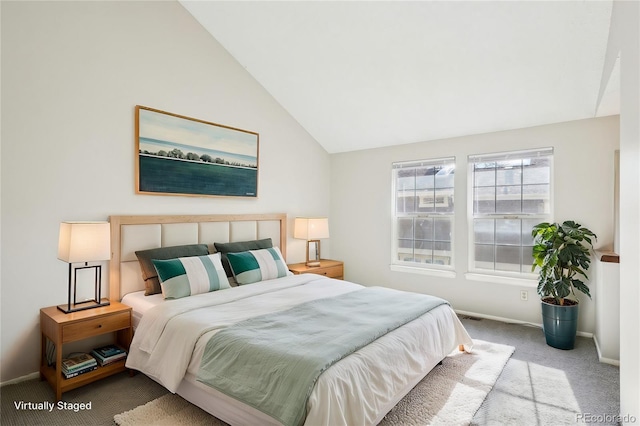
<point>178,155</point>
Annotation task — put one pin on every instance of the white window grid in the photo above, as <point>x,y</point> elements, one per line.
<point>433,250</point>
<point>517,222</point>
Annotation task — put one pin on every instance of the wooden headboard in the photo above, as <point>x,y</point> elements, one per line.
<point>132,233</point>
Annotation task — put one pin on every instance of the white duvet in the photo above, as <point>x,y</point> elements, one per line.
<point>358,390</point>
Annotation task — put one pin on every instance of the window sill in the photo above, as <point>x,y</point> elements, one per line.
<point>423,271</point>
<point>501,279</point>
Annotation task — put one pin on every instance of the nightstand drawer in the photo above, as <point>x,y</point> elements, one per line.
<point>331,272</point>
<point>92,327</point>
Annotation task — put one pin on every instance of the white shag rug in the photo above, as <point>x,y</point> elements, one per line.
<point>449,395</point>
<point>168,410</point>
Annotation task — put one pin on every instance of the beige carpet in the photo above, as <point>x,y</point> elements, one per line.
<point>449,395</point>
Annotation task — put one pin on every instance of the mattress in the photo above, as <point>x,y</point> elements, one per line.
<point>359,389</point>
<point>141,304</point>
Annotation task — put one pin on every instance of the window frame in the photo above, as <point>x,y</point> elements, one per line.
<point>421,267</point>
<point>507,277</point>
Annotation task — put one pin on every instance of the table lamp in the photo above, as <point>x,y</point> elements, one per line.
<point>311,229</point>
<point>84,242</point>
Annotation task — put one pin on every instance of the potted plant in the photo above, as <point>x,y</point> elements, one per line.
<point>561,254</point>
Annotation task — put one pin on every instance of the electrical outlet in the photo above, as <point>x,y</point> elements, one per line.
<point>524,295</point>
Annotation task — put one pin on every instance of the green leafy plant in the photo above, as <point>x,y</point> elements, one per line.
<point>561,252</point>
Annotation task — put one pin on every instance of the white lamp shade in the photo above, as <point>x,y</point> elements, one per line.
<point>84,241</point>
<point>310,228</point>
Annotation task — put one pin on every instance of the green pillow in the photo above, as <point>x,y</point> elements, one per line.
<point>240,246</point>
<point>187,276</point>
<point>149,274</point>
<point>257,265</point>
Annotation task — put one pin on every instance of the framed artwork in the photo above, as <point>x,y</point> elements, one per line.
<point>179,155</point>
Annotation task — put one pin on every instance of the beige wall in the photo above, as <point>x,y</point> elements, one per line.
<point>72,73</point>
<point>361,207</point>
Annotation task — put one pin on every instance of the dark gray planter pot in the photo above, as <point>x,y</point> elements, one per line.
<point>560,324</point>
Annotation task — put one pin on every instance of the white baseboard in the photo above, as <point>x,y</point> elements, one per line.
<point>21,379</point>
<point>495,318</point>
<point>514,321</point>
<point>602,359</point>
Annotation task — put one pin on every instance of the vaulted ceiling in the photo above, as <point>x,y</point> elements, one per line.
<point>360,74</point>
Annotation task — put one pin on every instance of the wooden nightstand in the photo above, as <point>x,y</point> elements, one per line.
<point>329,268</point>
<point>61,328</point>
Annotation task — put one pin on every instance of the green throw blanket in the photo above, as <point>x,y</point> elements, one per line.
<point>272,362</point>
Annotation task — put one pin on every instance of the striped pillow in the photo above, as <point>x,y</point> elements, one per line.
<point>257,265</point>
<point>186,276</point>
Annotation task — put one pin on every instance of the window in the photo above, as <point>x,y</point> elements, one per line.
<point>423,213</point>
<point>510,193</point>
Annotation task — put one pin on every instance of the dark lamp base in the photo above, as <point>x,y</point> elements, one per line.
<point>89,304</point>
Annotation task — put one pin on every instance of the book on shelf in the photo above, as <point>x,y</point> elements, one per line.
<point>78,362</point>
<point>70,374</point>
<point>109,350</point>
<point>80,368</point>
<point>108,354</point>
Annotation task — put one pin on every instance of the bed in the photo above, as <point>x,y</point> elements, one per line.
<point>358,389</point>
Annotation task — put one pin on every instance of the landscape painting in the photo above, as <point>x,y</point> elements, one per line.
<point>179,155</point>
